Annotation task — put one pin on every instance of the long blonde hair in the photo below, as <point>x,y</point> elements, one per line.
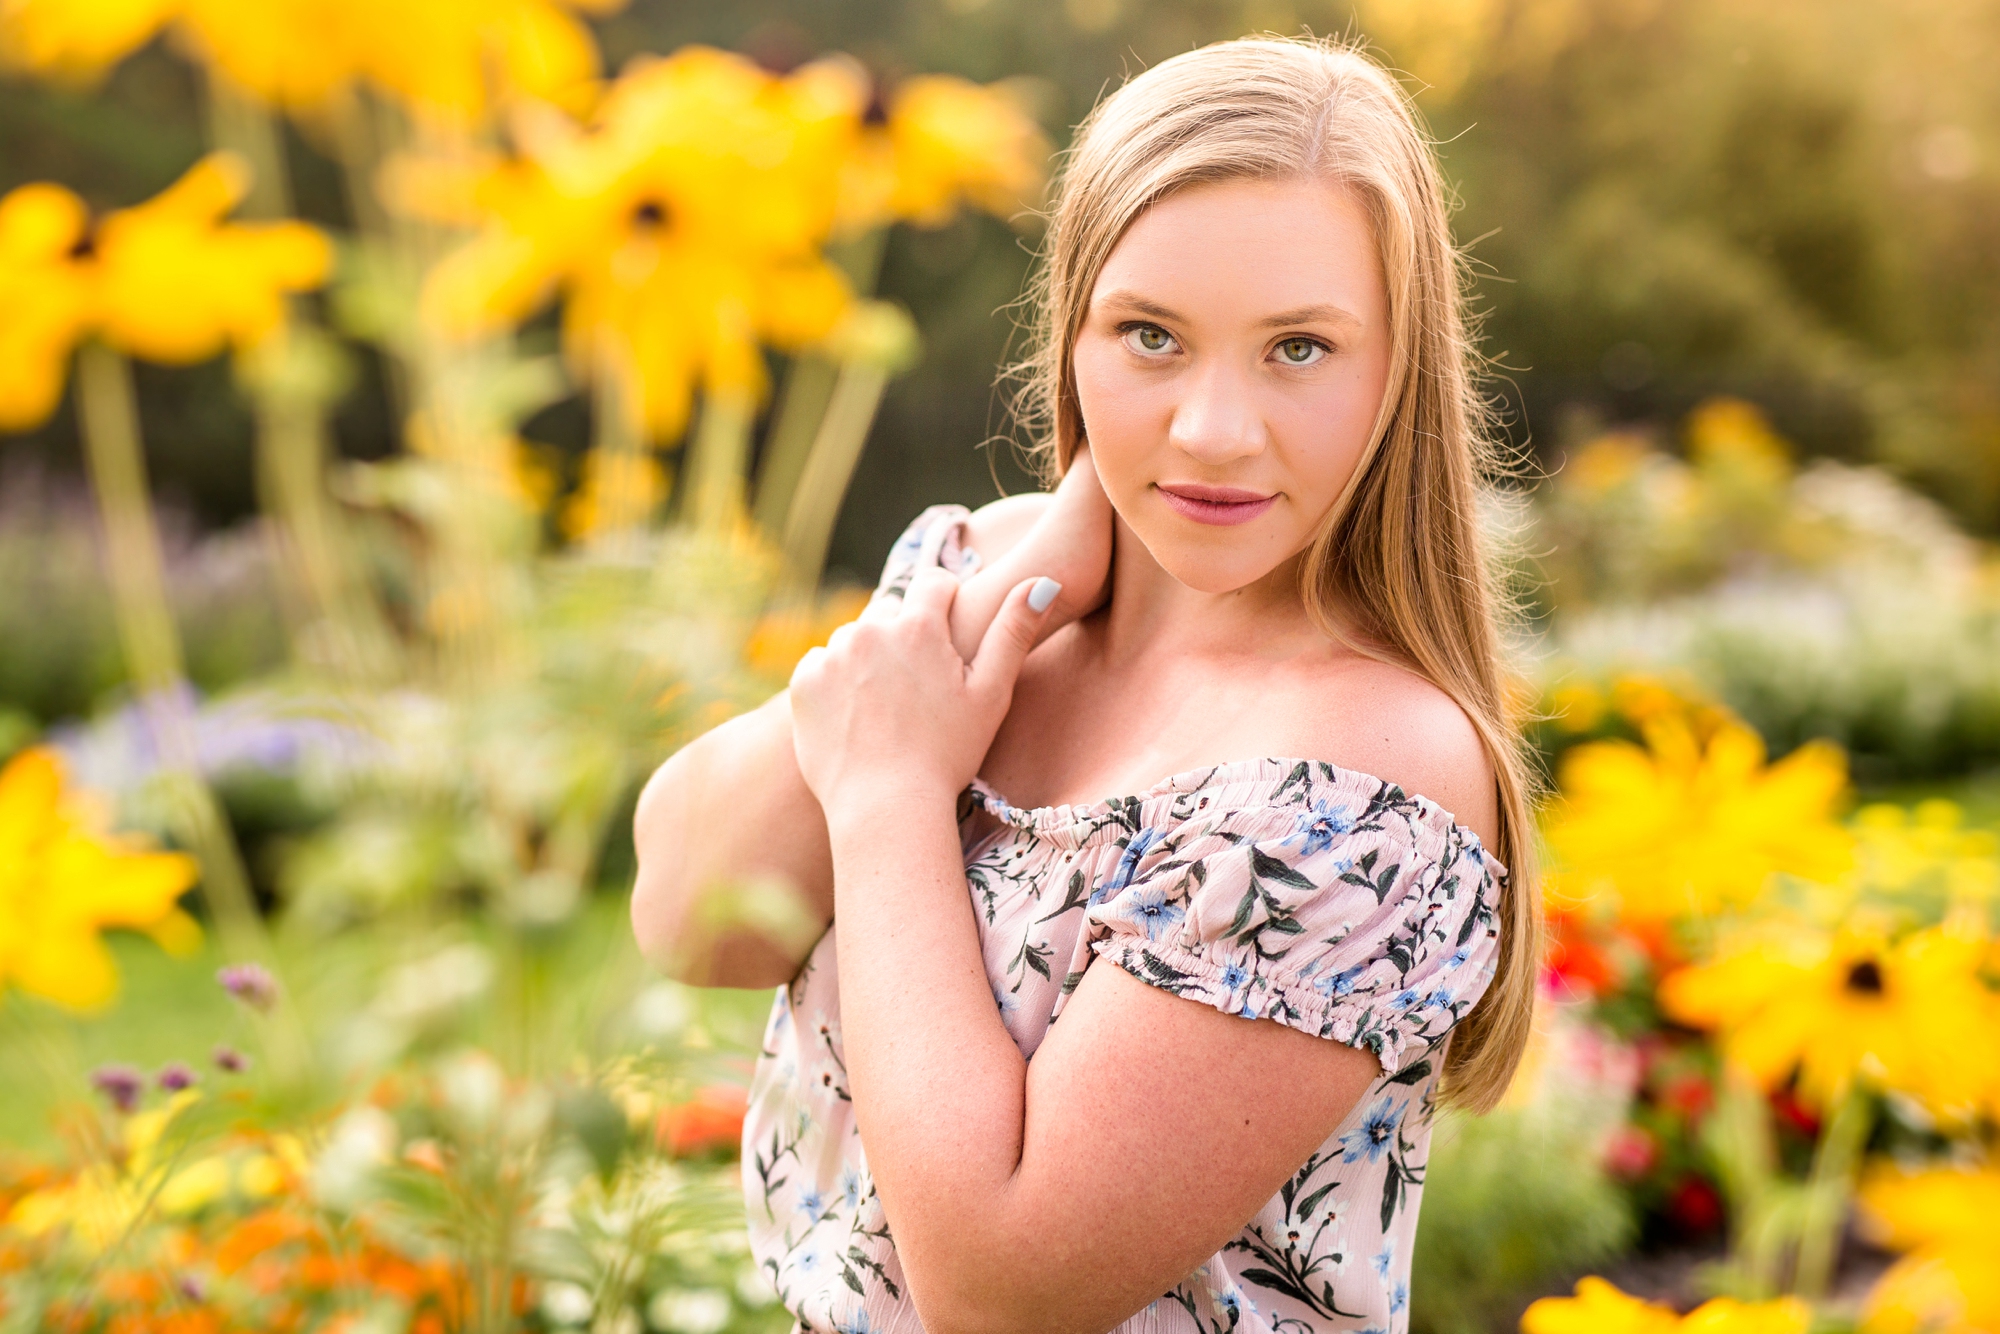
<point>1398,569</point>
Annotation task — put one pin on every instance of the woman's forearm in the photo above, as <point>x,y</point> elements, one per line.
<point>939,1086</point>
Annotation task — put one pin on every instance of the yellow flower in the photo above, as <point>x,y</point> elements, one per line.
<point>452,61</point>
<point>683,228</point>
<point>77,39</point>
<point>1726,1315</point>
<point>63,880</point>
<point>1600,1308</point>
<point>177,284</point>
<point>1732,441</point>
<point>1948,1282</point>
<point>292,53</point>
<point>947,140</point>
<point>1685,827</point>
<point>45,292</point>
<point>1837,1006</point>
<point>1597,1308</point>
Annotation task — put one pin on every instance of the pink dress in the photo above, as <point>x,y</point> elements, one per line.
<point>1284,890</point>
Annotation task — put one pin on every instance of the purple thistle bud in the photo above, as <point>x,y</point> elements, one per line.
<point>229,1060</point>
<point>174,1076</point>
<point>120,1084</point>
<point>250,983</point>
<point>191,1287</point>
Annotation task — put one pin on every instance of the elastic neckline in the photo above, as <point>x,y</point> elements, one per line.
<point>1077,824</point>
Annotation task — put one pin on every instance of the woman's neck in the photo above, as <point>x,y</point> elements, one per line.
<point>1151,612</point>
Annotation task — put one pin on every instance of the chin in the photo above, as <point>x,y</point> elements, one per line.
<point>1218,565</point>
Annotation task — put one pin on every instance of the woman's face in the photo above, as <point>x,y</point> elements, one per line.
<point>1230,368</point>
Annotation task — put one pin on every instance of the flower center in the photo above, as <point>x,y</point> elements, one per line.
<point>1865,977</point>
<point>650,213</point>
<point>85,247</point>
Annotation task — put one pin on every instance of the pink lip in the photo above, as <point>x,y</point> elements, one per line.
<point>1215,504</point>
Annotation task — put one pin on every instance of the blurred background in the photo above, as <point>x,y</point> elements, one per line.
<point>417,420</point>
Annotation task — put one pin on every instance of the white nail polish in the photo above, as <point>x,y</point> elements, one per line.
<point>1042,594</point>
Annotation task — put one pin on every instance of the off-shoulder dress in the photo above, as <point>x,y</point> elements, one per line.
<point>1286,890</point>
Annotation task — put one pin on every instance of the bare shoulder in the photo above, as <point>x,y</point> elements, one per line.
<point>995,527</point>
<point>1392,723</point>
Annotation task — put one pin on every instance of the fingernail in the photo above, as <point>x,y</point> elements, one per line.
<point>1042,594</point>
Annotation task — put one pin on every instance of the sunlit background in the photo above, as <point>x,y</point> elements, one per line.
<point>418,418</point>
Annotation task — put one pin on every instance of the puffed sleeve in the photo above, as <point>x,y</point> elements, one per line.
<point>937,537</point>
<point>1368,922</point>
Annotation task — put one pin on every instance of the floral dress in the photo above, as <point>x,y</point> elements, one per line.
<point>1286,890</point>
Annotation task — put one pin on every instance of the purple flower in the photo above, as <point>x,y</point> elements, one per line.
<point>250,983</point>
<point>120,1084</point>
<point>175,1076</point>
<point>229,1060</point>
<point>191,1287</point>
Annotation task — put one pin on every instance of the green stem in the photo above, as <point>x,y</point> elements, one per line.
<point>244,126</point>
<point>109,417</point>
<point>1829,1190</point>
<point>823,482</point>
<point>719,459</point>
<point>801,406</point>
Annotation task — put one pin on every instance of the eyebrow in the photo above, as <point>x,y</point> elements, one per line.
<point>1328,314</point>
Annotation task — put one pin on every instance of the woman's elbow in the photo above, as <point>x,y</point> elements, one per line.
<point>660,897</point>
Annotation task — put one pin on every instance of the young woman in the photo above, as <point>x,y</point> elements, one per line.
<point>1257,392</point>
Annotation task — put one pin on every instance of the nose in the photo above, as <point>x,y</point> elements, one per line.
<point>1217,420</point>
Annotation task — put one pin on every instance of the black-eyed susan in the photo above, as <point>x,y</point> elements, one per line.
<point>1943,1221</point>
<point>943,142</point>
<point>175,283</point>
<point>298,54</point>
<point>64,879</point>
<point>45,292</point>
<point>1687,826</point>
<point>452,62</point>
<point>77,39</point>
<point>683,228</point>
<point>1846,1005</point>
<point>1948,1279</point>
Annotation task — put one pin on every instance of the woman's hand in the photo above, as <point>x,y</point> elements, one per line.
<point>889,712</point>
<point>1069,541</point>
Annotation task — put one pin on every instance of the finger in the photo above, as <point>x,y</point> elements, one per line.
<point>1013,632</point>
<point>882,607</point>
<point>931,593</point>
<point>841,634</point>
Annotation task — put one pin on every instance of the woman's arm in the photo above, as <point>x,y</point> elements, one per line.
<point>735,881</point>
<point>1058,1197</point>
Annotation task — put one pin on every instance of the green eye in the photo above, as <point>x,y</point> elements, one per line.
<point>1152,338</point>
<point>1300,351</point>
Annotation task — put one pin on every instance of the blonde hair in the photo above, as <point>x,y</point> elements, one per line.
<point>1401,553</point>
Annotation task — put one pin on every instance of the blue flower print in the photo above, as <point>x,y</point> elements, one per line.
<point>1150,909</point>
<point>1385,1260</point>
<point>1399,1297</point>
<point>1128,865</point>
<point>1405,999</point>
<point>806,1260</point>
<point>1320,825</point>
<point>1340,983</point>
<point>1372,1136</point>
<point>850,1188</point>
<point>812,1204</point>
<point>1440,999</point>
<point>1233,976</point>
<point>855,1324</point>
